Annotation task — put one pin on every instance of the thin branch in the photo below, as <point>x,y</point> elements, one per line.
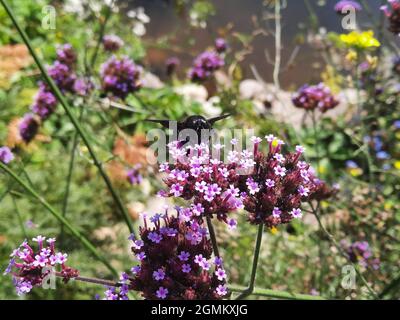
<point>250,288</point>
<point>276,293</point>
<point>278,43</point>
<point>101,34</point>
<point>102,282</point>
<point>69,176</point>
<point>213,237</point>
<point>20,221</point>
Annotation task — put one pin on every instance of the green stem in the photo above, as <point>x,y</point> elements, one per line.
<point>69,177</point>
<point>86,243</point>
<point>20,221</point>
<point>213,237</point>
<point>250,288</point>
<point>313,16</point>
<point>342,252</point>
<point>102,282</point>
<point>364,130</point>
<point>101,35</point>
<point>316,138</point>
<point>8,189</point>
<point>275,293</point>
<point>72,117</point>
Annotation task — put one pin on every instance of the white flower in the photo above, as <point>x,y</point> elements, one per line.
<point>139,29</point>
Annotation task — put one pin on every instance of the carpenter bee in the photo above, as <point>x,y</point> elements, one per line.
<point>196,123</point>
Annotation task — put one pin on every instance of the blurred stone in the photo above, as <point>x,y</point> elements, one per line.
<point>131,150</point>
<point>193,92</point>
<point>13,58</point>
<point>151,81</point>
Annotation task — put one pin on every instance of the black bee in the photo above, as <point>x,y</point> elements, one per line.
<point>196,123</point>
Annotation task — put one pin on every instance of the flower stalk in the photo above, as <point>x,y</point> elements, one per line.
<point>276,294</point>
<point>250,288</point>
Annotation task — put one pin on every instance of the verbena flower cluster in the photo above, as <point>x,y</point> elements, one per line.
<point>67,55</point>
<point>62,71</point>
<point>120,77</point>
<point>392,11</point>
<point>112,43</point>
<point>30,268</point>
<point>271,187</point>
<point>175,260</point>
<point>28,127</point>
<point>45,103</point>
<point>318,97</point>
<point>360,252</point>
<point>171,65</point>
<point>207,181</point>
<point>133,175</point>
<point>278,185</point>
<point>205,65</point>
<point>63,76</point>
<point>343,4</point>
<point>220,45</point>
<point>6,156</point>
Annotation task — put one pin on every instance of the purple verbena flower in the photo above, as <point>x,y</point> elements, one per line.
<point>162,292</point>
<point>342,5</point>
<point>120,77</point>
<point>112,43</point>
<point>134,176</point>
<point>63,76</point>
<point>205,65</point>
<point>67,55</point>
<point>6,156</point>
<point>392,12</point>
<point>159,274</point>
<point>220,45</point>
<point>317,97</point>
<point>28,127</point>
<point>45,103</point>
<point>171,65</point>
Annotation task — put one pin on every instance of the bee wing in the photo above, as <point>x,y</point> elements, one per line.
<point>164,123</point>
<point>213,120</point>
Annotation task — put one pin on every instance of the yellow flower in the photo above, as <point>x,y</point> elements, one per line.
<point>397,164</point>
<point>372,61</point>
<point>355,172</point>
<point>321,169</point>
<point>388,206</point>
<point>351,56</point>
<point>275,142</point>
<point>359,40</point>
<point>273,230</point>
<point>324,204</point>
